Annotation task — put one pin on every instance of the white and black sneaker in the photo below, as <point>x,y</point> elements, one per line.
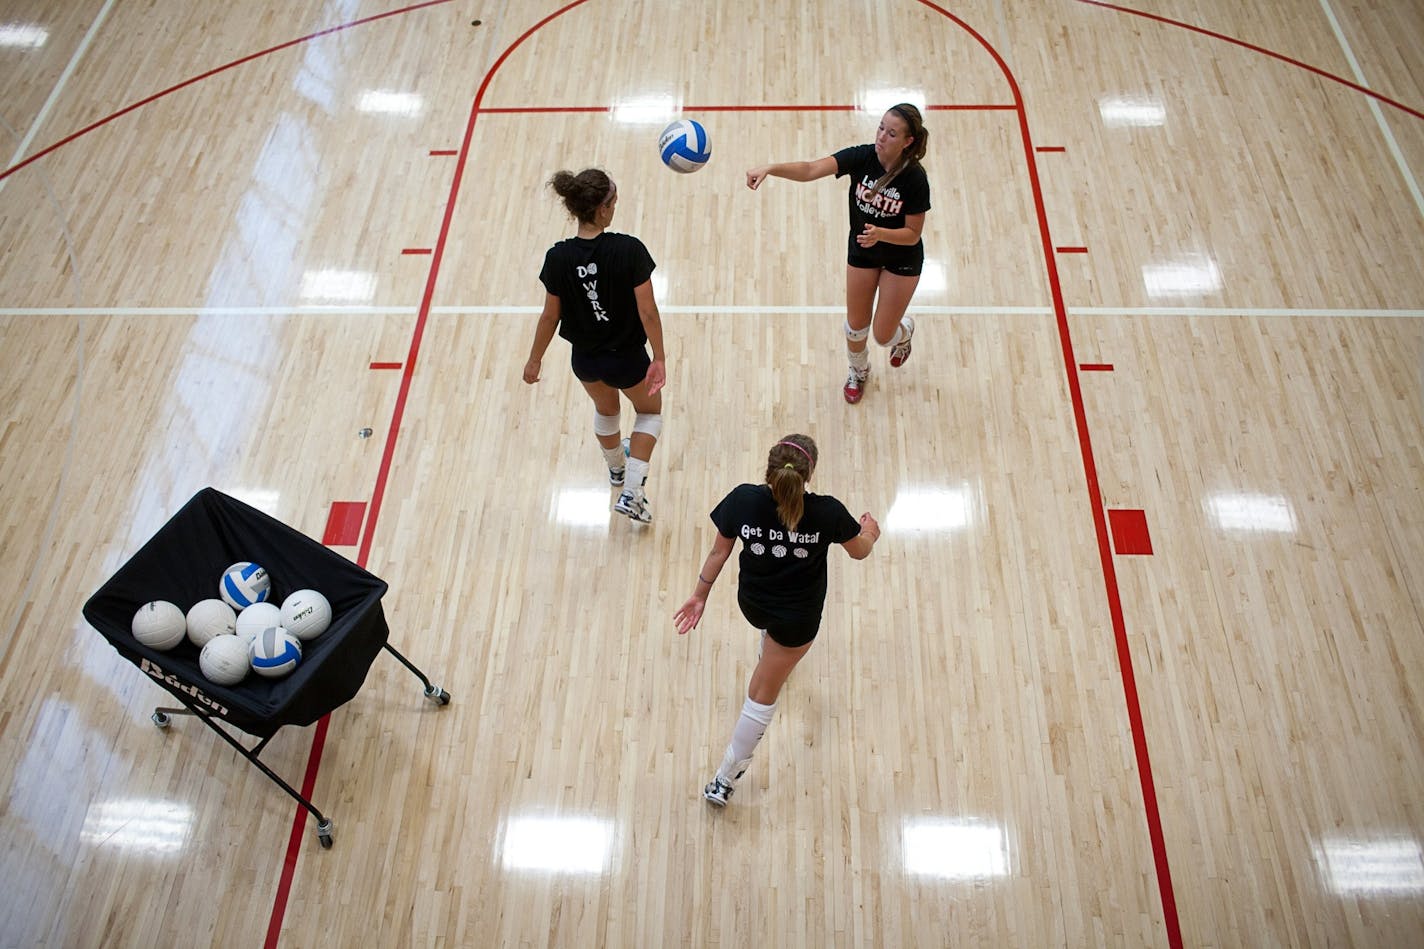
<point>717,792</point>
<point>634,506</point>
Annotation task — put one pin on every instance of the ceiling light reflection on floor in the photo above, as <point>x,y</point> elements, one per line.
<point>929,508</point>
<point>558,844</point>
<point>954,848</point>
<point>646,110</point>
<point>1132,111</point>
<point>1188,277</point>
<point>1390,866</point>
<point>152,826</point>
<point>22,36</point>
<point>389,102</point>
<point>877,102</point>
<point>343,286</point>
<point>1252,512</point>
<point>582,507</point>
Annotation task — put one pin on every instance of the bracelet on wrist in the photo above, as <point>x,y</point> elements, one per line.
<point>704,579</point>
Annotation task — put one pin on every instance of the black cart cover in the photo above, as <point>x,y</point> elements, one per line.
<point>183,563</point>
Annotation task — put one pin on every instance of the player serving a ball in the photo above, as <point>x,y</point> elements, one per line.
<point>599,296</point>
<point>786,532</point>
<point>889,195</point>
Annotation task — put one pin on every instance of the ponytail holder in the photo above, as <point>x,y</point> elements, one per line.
<point>789,465</point>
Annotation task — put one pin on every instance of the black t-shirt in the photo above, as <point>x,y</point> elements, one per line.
<point>907,193</point>
<point>594,280</point>
<point>783,571</point>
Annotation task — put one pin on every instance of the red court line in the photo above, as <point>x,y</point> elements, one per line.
<point>1151,811</point>
<point>1050,148</point>
<point>1096,367</point>
<point>415,251</point>
<point>1259,49</point>
<point>343,523</point>
<point>573,109</point>
<point>299,820</point>
<point>1129,531</point>
<point>385,365</point>
<point>1072,250</point>
<point>442,152</point>
<point>210,73</point>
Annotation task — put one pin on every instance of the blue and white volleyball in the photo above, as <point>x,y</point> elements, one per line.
<point>274,653</point>
<point>684,146</point>
<point>244,584</point>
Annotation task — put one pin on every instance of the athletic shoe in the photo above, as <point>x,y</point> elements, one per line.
<point>855,384</point>
<point>635,507</point>
<point>900,352</point>
<point>717,792</point>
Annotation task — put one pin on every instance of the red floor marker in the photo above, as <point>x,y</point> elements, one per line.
<point>417,251</point>
<point>1096,367</point>
<point>386,365</point>
<point>443,152</point>
<point>1129,532</point>
<point>343,524</point>
<point>1071,250</point>
<point>1050,148</point>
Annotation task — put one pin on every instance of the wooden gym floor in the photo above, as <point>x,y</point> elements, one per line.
<point>1139,660</point>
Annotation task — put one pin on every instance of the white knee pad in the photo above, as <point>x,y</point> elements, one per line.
<point>648,423</point>
<point>605,424</point>
<point>856,336</point>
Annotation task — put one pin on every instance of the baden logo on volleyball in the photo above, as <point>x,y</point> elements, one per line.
<point>684,146</point>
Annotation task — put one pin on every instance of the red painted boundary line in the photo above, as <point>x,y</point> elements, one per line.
<point>1096,367</point>
<point>385,365</point>
<point>1259,49</point>
<point>1072,250</point>
<point>209,74</point>
<point>289,865</point>
<point>443,152</point>
<point>575,109</point>
<point>1050,148</point>
<point>415,251</point>
<point>1152,813</point>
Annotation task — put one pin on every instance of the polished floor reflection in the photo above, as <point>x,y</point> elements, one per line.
<point>1135,663</point>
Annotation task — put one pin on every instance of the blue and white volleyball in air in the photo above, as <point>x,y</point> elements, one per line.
<point>274,653</point>
<point>244,584</point>
<point>684,146</point>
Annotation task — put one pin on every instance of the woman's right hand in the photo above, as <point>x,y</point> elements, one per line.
<point>689,614</point>
<point>531,371</point>
<point>757,175</point>
<point>869,525</point>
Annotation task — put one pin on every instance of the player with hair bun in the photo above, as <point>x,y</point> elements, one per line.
<point>598,295</point>
<point>786,533</point>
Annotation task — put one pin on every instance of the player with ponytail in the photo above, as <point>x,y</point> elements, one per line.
<point>889,195</point>
<point>786,533</point>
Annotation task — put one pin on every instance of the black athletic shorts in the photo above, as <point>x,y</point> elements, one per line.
<point>621,369</point>
<point>906,264</point>
<point>790,633</point>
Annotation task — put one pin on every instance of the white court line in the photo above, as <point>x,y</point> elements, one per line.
<point>1083,311</point>
<point>58,88</point>
<point>1374,107</point>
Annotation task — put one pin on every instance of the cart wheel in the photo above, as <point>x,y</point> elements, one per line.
<point>437,695</point>
<point>160,719</point>
<point>323,833</point>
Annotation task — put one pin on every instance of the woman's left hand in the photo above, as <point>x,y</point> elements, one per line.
<point>868,237</point>
<point>531,371</point>
<point>656,377</point>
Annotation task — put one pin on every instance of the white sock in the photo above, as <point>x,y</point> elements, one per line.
<point>635,475</point>
<point>901,334</point>
<point>614,456</point>
<point>751,725</point>
<point>859,361</point>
